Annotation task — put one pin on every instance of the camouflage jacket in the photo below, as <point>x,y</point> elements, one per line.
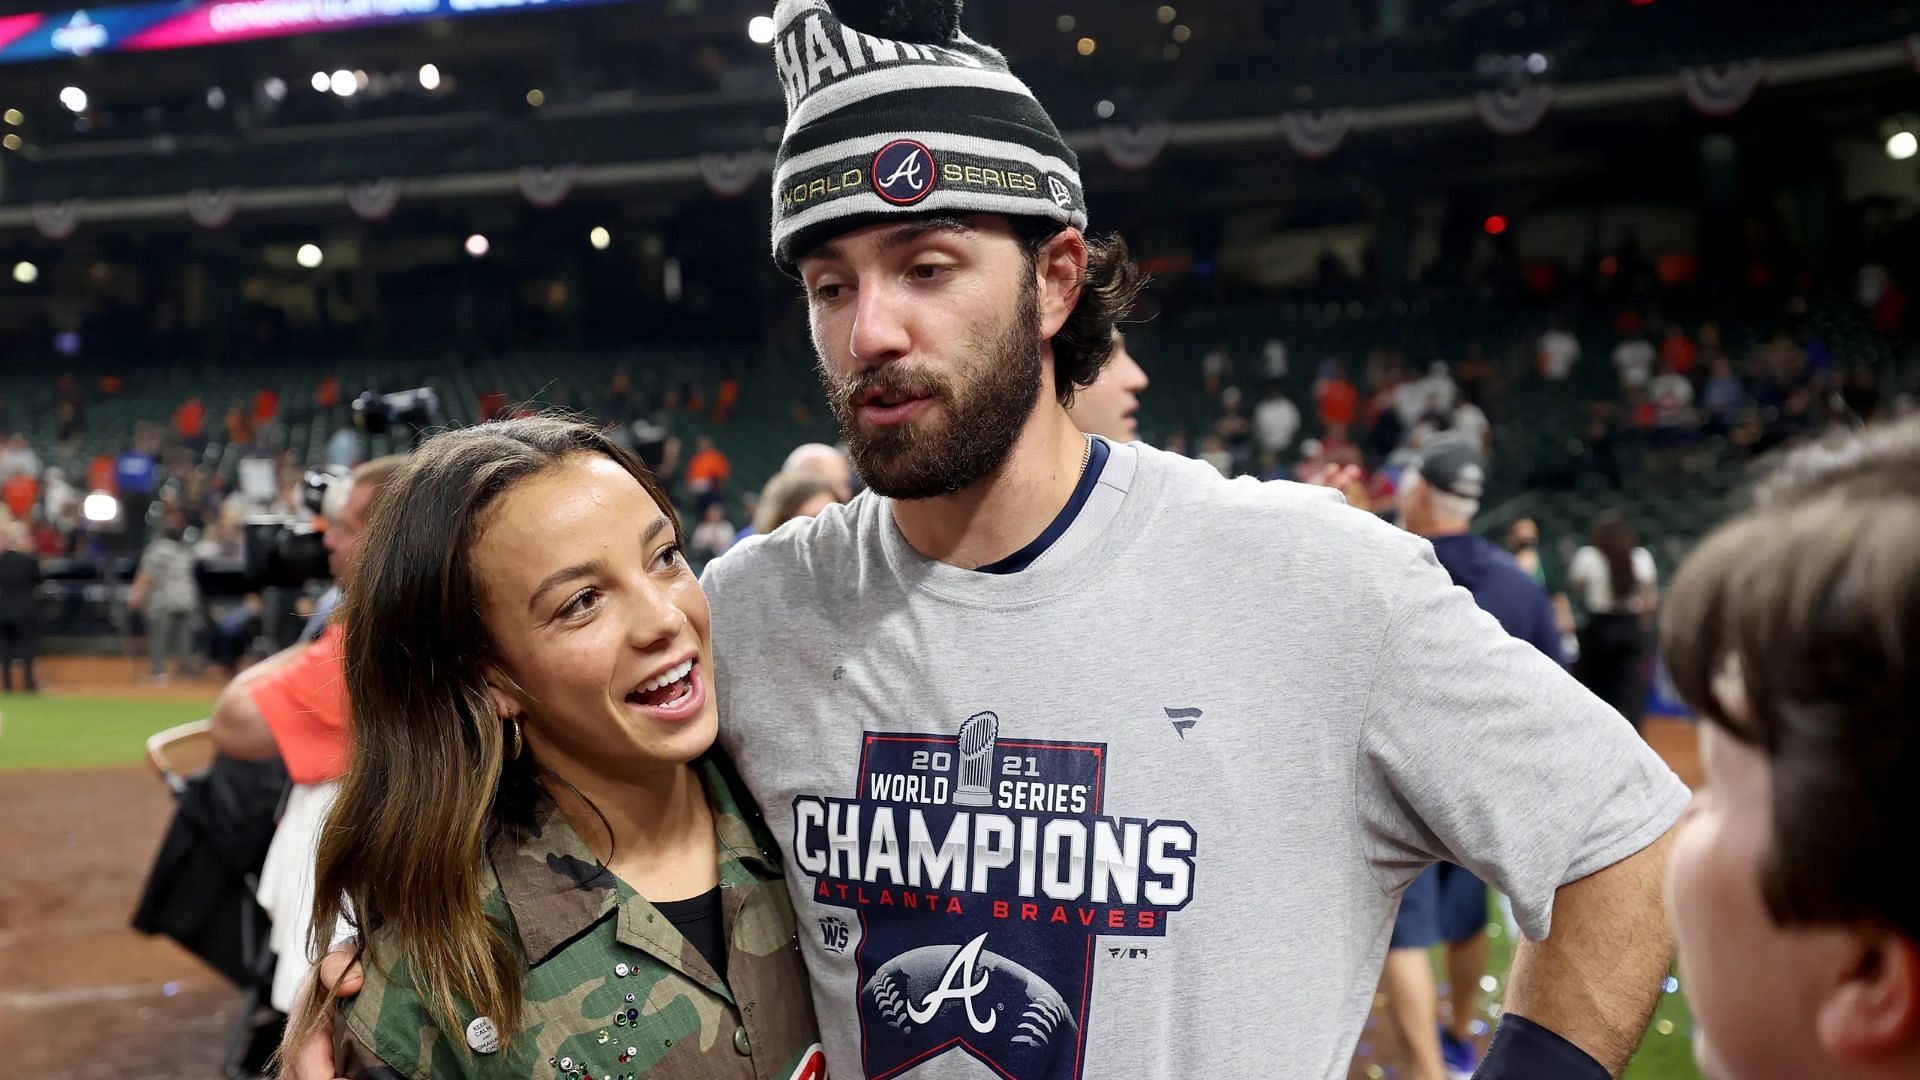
<point>612,990</point>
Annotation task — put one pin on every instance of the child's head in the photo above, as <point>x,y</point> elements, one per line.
<point>1795,629</point>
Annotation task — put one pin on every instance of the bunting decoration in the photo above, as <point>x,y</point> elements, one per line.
<point>1316,133</point>
<point>1722,89</point>
<point>57,220</point>
<point>212,208</point>
<point>547,187</point>
<point>1135,146</point>
<point>1514,110</point>
<point>732,175</point>
<point>374,200</point>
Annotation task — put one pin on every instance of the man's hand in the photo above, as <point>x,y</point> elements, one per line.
<point>1334,475</point>
<point>313,1060</point>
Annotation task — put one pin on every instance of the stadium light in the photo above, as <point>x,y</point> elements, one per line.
<point>100,508</point>
<point>477,245</point>
<point>74,98</point>
<point>309,256</point>
<point>1086,45</point>
<point>1104,110</point>
<point>429,77</point>
<point>760,30</point>
<point>1065,24</point>
<point>1495,225</point>
<point>12,141</point>
<point>15,117</point>
<point>1166,14</point>
<point>275,88</point>
<point>216,98</point>
<point>600,238</point>
<point>1181,34</point>
<point>536,97</point>
<point>25,272</point>
<point>321,82</point>
<point>342,83</point>
<point>1901,145</point>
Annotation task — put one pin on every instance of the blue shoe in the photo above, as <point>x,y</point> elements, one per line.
<point>1458,1057</point>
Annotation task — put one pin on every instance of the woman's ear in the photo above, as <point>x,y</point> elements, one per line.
<point>500,688</point>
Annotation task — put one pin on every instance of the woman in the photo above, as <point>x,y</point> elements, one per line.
<point>1614,580</point>
<point>552,874</point>
<point>165,590</point>
<point>791,495</point>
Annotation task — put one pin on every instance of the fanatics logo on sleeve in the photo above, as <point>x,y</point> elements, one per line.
<point>903,172</point>
<point>958,854</point>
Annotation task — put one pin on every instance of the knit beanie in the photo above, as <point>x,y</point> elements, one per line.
<point>892,113</point>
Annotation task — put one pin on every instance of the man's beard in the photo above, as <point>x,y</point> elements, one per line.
<point>984,416</point>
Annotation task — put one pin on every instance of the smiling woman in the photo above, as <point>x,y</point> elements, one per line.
<point>528,670</point>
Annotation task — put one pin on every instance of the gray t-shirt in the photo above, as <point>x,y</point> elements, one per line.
<point>1147,807</point>
<point>168,565</point>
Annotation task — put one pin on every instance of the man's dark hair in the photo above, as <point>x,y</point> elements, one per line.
<point>1796,629</point>
<point>1085,343</point>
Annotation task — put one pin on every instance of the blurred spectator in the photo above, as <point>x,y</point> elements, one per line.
<point>1672,394</point>
<point>714,535</point>
<point>1523,543</point>
<point>1634,358</point>
<point>18,493</point>
<point>66,421</point>
<point>1559,352</point>
<point>239,429</point>
<point>1273,360</point>
<point>788,496</point>
<point>19,458</point>
<point>708,470</point>
<point>1213,451</point>
<point>1276,420</point>
<point>1678,353</point>
<point>725,399</point>
<point>266,406</point>
<point>621,407</point>
<point>1468,419</point>
<point>1614,579</point>
<point>1724,396</point>
<point>1861,393</point>
<point>1232,425</point>
<point>343,447</point>
<point>103,473</point>
<point>19,611</point>
<point>165,591</point>
<point>1335,400</point>
<point>1476,377</point>
<point>1109,407</point>
<point>190,422</point>
<point>1216,367</point>
<point>233,632</point>
<point>326,393</point>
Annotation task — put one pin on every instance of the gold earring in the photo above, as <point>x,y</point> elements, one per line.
<point>513,725</point>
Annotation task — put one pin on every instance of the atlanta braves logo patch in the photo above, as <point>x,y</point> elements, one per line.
<point>903,172</point>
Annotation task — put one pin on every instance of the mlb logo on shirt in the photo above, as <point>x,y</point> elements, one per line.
<point>903,172</point>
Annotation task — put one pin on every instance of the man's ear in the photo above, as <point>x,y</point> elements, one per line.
<point>1872,1013</point>
<point>1061,269</point>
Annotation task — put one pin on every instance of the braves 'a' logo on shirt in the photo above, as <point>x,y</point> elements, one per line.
<point>981,869</point>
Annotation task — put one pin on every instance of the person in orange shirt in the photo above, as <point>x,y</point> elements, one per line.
<point>190,419</point>
<point>709,469</point>
<point>1334,397</point>
<point>19,493</point>
<point>266,405</point>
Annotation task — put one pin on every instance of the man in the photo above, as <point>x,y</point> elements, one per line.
<point>824,462</point>
<point>292,706</point>
<point>288,706</point>
<point>1086,761</point>
<point>1110,407</point>
<point>19,606</point>
<point>1796,632</point>
<point>1276,420</point>
<point>1438,501</point>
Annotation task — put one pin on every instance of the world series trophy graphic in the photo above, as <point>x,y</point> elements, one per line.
<point>975,745</point>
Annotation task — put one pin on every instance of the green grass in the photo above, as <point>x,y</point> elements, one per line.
<point>1661,1057</point>
<point>71,732</point>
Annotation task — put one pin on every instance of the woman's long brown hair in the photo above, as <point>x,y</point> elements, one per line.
<point>429,778</point>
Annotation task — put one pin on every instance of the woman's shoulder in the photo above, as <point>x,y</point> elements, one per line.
<point>387,1022</point>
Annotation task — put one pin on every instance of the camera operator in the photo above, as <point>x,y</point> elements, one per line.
<point>292,706</point>
<point>288,705</point>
